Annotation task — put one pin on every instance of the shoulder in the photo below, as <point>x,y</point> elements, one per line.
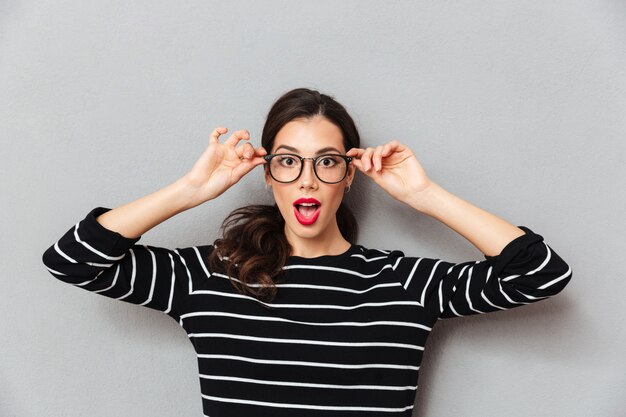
<point>376,255</point>
<point>193,257</point>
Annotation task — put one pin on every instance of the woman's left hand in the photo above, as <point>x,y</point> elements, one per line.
<point>393,167</point>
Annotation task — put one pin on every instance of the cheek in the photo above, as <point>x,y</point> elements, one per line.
<point>334,199</point>
<point>283,201</point>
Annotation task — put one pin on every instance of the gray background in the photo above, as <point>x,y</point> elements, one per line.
<point>517,107</point>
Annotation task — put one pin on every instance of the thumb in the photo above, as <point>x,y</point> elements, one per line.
<point>357,163</point>
<point>244,167</point>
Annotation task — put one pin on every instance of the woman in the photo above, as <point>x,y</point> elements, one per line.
<point>289,316</point>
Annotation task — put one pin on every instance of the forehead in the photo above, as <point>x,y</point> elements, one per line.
<point>309,135</point>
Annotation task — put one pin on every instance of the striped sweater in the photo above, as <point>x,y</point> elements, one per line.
<point>345,334</point>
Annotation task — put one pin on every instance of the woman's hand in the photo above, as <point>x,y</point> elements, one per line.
<point>393,167</point>
<point>222,165</point>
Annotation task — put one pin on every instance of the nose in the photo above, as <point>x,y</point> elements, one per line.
<point>308,178</point>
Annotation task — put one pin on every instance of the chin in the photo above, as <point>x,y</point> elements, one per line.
<point>309,231</point>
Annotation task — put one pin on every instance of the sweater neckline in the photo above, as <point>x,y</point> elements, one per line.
<point>326,258</point>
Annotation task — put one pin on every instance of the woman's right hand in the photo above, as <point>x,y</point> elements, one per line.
<point>222,165</point>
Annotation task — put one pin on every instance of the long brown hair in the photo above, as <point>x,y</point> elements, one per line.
<point>253,247</point>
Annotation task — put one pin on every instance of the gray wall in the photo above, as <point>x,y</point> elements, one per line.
<point>517,107</point>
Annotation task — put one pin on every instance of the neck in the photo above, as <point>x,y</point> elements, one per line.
<point>330,242</point>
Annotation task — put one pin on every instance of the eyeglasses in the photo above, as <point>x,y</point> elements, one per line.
<point>329,168</point>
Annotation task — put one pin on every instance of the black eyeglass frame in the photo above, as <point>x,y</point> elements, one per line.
<point>269,157</point>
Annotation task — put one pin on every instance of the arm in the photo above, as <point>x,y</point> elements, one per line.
<point>527,270</point>
<point>99,253</point>
<point>519,268</point>
<point>137,217</point>
<point>218,168</point>
<point>489,233</point>
<point>103,261</point>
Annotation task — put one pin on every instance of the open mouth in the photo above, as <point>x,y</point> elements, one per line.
<point>307,210</point>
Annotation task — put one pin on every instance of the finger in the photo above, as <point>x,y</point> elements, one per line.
<point>239,150</point>
<point>242,134</point>
<point>215,134</point>
<point>258,159</point>
<point>387,149</point>
<point>259,154</point>
<point>359,164</point>
<point>246,151</point>
<point>261,150</point>
<point>394,145</point>
<point>246,166</point>
<point>355,152</point>
<point>366,158</point>
<point>255,155</point>
<point>378,158</point>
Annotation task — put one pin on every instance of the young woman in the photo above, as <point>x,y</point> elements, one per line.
<point>289,316</point>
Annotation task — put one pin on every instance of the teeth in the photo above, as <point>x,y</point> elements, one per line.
<point>308,204</point>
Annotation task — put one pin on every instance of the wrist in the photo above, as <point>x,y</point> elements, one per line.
<point>426,199</point>
<point>187,194</point>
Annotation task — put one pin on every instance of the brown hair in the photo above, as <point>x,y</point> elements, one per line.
<point>253,246</point>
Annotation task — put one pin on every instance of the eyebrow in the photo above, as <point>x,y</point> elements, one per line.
<point>321,151</point>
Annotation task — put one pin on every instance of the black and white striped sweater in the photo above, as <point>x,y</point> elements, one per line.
<point>345,334</point>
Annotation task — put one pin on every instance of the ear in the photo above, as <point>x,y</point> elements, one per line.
<point>267,178</point>
<point>351,172</point>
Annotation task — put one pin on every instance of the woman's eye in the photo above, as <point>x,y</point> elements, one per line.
<point>287,161</point>
<point>327,162</point>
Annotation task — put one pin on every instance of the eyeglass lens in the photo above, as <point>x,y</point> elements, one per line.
<point>328,168</point>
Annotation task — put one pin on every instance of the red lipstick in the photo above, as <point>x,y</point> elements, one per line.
<point>306,210</point>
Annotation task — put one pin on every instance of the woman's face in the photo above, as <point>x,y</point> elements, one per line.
<point>309,138</point>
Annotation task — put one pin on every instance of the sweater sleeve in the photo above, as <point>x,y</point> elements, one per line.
<point>526,271</point>
<point>105,262</point>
